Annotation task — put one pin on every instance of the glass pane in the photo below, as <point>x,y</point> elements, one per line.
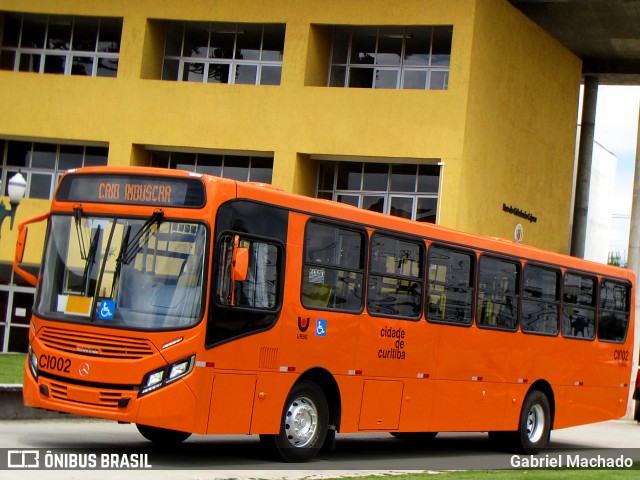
<point>96,156</point>
<point>160,159</point>
<point>196,39</point>
<point>210,164</point>
<point>44,156</point>
<point>349,176</point>
<point>193,72</point>
<point>70,157</point>
<point>18,154</point>
<point>394,297</point>
<point>441,51</point>
<point>326,175</point>
<point>18,339</point>
<point>236,168</point>
<point>374,203</point>
<point>223,37</point>
<point>34,28</point>
<point>246,74</point>
<point>59,34</point>
<point>170,70</point>
<point>110,34</point>
<point>270,75</point>
<point>390,45</point>
<point>29,63</point>
<point>249,40</point>
<point>376,177</point>
<point>11,31</point>
<point>54,64</point>
<point>85,34</point>
<point>40,186</point>
<point>427,210</point>
<point>7,60</point>
<point>579,290</point>
<point>450,286</point>
<point>82,66</point>
<point>348,199</point>
<point>22,302</point>
<point>417,43</point>
<point>361,77</point>
<point>386,78</point>
<point>107,67</point>
<point>337,76</point>
<point>273,43</point>
<point>497,293</point>
<point>403,178</point>
<point>261,170</point>
<point>401,207</point>
<point>428,178</point>
<point>415,80</point>
<point>218,73</point>
<point>363,45</point>
<point>439,80</point>
<point>173,44</point>
<point>340,46</point>
<point>578,322</point>
<point>183,161</point>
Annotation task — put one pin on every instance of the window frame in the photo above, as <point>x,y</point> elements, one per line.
<point>473,277</point>
<point>517,292</point>
<point>399,277</point>
<point>364,248</point>
<point>558,302</point>
<point>593,308</point>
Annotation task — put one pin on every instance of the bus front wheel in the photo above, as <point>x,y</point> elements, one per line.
<point>303,427</point>
<point>162,436</point>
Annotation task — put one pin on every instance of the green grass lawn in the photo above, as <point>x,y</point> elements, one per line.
<point>552,474</point>
<point>11,367</point>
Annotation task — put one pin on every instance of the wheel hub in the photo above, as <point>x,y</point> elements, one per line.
<point>301,422</point>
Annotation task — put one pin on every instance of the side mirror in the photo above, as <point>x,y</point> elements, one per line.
<point>240,264</point>
<point>20,247</point>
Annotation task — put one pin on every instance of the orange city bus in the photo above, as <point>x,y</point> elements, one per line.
<point>187,303</point>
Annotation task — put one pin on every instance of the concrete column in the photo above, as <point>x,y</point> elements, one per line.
<point>585,153</point>
<point>633,262</point>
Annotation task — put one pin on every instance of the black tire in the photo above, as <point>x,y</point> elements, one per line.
<point>415,437</point>
<point>534,427</point>
<point>303,428</point>
<point>162,436</point>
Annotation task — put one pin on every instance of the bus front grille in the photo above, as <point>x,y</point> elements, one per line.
<point>85,396</point>
<point>96,345</point>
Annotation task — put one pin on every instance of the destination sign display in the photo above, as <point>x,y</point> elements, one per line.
<point>132,190</point>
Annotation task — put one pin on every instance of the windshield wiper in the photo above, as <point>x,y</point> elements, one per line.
<point>90,259</point>
<point>133,246</point>
<point>77,215</point>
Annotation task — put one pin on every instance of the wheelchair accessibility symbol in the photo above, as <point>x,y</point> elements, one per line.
<point>106,309</point>
<point>321,328</point>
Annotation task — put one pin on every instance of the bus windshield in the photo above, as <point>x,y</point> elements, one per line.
<point>140,273</point>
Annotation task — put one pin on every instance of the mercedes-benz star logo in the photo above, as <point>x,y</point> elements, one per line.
<point>83,371</point>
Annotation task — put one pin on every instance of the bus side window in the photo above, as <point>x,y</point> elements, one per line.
<point>540,300</point>
<point>579,306</point>
<point>450,286</point>
<point>613,320</point>
<point>333,271</point>
<point>498,288</point>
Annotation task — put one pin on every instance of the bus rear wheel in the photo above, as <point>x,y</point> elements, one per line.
<point>162,436</point>
<point>534,427</point>
<point>303,426</point>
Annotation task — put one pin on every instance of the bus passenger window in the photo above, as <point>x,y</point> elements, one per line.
<point>395,277</point>
<point>579,306</point>
<point>540,300</point>
<point>333,272</point>
<point>498,285</point>
<point>450,286</point>
<point>613,320</point>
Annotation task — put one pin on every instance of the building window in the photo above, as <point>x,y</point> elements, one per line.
<point>235,167</point>
<point>243,53</point>
<point>416,57</point>
<point>407,191</point>
<point>42,164</point>
<point>61,44</point>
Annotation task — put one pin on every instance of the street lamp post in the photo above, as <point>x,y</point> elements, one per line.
<point>16,188</point>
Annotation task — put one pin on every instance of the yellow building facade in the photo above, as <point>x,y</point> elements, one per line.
<point>470,94</point>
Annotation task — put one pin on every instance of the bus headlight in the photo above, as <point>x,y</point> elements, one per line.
<point>166,375</point>
<point>33,362</point>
